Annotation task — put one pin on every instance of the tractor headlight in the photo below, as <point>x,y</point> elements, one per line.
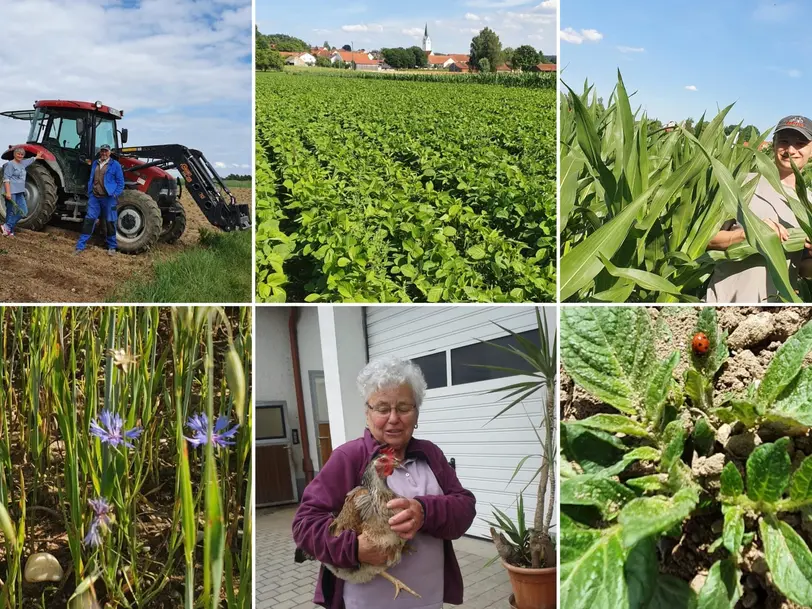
<point>98,105</point>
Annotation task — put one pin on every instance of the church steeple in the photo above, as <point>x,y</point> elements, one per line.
<point>426,40</point>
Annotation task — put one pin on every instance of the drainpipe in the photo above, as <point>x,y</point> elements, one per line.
<point>307,464</point>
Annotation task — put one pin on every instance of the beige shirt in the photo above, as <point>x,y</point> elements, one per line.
<point>748,281</point>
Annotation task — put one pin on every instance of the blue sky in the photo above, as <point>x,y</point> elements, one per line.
<point>181,70</point>
<point>452,24</point>
<point>685,57</point>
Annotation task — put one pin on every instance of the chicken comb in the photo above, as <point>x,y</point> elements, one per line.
<point>388,450</point>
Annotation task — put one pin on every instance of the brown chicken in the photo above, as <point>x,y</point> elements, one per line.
<point>365,512</point>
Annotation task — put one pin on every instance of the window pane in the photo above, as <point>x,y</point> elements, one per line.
<point>105,134</point>
<point>434,369</point>
<point>463,359</point>
<point>270,422</point>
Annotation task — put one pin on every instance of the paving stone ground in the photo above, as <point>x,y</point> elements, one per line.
<point>282,584</point>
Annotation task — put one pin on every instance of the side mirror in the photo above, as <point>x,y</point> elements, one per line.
<point>124,136</point>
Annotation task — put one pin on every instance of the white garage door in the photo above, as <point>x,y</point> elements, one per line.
<point>456,414</point>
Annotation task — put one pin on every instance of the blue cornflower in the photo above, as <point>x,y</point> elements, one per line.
<point>102,519</point>
<point>199,424</point>
<point>109,429</point>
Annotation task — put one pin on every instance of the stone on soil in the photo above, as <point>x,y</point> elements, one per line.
<point>42,567</point>
<point>751,331</point>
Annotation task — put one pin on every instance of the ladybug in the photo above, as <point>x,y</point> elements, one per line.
<point>700,343</point>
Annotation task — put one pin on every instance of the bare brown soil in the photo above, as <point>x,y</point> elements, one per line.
<point>40,266</point>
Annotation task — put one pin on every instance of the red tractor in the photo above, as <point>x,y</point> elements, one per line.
<point>69,134</point>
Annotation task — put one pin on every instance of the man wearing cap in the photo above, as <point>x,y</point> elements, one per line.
<point>748,281</point>
<point>105,185</point>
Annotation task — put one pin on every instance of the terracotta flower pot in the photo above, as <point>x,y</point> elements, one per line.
<point>533,588</point>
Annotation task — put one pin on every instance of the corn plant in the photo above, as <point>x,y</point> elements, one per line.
<point>450,197</point>
<point>635,476</point>
<point>124,433</point>
<point>640,205</point>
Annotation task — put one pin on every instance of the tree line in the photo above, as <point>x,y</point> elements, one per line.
<point>486,53</point>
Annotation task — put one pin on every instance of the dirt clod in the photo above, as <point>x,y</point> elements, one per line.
<point>751,331</point>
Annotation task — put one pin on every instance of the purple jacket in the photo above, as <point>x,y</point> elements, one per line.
<point>446,516</point>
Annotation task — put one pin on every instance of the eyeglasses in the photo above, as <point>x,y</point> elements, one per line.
<point>383,409</point>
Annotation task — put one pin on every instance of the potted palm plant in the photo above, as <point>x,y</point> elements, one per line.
<point>529,553</point>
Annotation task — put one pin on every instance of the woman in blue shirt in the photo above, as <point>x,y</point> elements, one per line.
<point>14,189</point>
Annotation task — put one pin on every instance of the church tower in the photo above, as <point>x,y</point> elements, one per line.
<point>426,40</point>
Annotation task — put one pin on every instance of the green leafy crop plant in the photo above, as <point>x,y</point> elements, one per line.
<point>640,203</point>
<point>676,493</point>
<point>379,190</point>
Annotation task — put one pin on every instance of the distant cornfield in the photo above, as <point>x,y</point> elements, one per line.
<point>124,453</point>
<point>530,80</point>
<point>639,206</point>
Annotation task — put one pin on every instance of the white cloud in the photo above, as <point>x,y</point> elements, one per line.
<point>574,37</point>
<point>184,59</point>
<point>623,49</point>
<point>414,32</point>
<point>548,5</point>
<point>471,17</point>
<point>363,27</point>
<point>794,73</point>
<point>591,35</point>
<point>221,165</point>
<point>691,87</point>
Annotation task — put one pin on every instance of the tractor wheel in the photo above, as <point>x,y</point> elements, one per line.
<point>173,229</point>
<point>40,197</point>
<point>139,222</point>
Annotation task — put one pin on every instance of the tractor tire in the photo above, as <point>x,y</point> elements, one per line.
<point>173,229</point>
<point>40,197</point>
<point>139,222</point>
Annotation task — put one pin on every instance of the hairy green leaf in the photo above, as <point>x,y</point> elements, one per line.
<point>722,589</point>
<point>653,515</point>
<point>785,365</point>
<point>801,487</point>
<point>789,559</point>
<point>615,423</point>
<point>658,386</point>
<point>733,531</point>
<point>594,580</point>
<point>768,469</point>
<point>598,491</point>
<point>609,351</point>
<point>704,437</point>
<point>732,482</point>
<point>673,442</point>
<point>795,402</point>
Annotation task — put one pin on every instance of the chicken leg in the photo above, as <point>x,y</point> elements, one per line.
<point>399,585</point>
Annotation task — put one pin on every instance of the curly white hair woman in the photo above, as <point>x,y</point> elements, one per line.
<point>434,507</point>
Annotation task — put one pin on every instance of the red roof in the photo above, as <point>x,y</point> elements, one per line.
<point>503,68</point>
<point>462,66</point>
<point>290,53</point>
<point>358,58</point>
<point>545,67</point>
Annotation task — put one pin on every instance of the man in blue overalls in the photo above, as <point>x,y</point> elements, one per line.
<point>105,185</point>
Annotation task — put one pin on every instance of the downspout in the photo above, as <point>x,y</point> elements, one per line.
<point>366,333</point>
<point>307,464</point>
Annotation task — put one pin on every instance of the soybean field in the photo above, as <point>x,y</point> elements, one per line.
<point>379,190</point>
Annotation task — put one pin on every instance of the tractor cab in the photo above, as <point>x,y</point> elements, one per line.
<point>72,132</point>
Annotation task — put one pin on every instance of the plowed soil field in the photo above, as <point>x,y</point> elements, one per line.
<point>40,266</point>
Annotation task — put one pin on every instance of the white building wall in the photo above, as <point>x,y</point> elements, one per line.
<point>274,367</point>
<point>344,355</point>
<point>309,359</point>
